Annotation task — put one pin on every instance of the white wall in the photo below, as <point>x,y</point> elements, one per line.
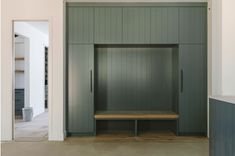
<point>228,48</point>
<point>216,60</point>
<point>223,48</point>
<point>34,66</point>
<point>51,10</point>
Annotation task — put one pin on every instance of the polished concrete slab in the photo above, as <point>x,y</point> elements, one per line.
<point>111,146</point>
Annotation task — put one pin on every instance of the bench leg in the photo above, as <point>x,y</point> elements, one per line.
<point>95,128</point>
<point>136,128</point>
<point>177,127</point>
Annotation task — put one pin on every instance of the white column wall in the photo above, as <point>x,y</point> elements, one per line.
<point>228,47</point>
<point>216,47</point>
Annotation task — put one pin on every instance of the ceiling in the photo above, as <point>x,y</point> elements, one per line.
<point>41,26</point>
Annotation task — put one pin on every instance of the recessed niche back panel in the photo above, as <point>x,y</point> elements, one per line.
<point>132,78</point>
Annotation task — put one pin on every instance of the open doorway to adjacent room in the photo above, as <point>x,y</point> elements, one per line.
<point>30,85</point>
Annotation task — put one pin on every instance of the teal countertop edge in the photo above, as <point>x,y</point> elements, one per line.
<point>227,99</point>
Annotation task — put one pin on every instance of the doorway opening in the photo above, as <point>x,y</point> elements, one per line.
<point>30,86</point>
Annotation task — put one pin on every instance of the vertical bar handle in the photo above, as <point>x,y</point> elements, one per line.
<point>181,81</point>
<point>91,85</point>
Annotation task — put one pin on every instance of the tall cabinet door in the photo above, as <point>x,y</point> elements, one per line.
<point>80,91</point>
<point>193,89</point>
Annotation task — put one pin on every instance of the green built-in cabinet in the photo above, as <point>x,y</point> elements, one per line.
<point>145,29</point>
<point>137,25</point>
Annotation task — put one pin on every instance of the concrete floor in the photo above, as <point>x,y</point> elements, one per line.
<point>35,130</point>
<point>110,146</point>
<point>31,141</point>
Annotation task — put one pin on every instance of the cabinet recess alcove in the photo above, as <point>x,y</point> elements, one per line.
<point>136,68</point>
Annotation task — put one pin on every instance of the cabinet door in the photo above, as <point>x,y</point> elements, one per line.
<point>193,24</point>
<point>80,92</point>
<point>80,24</point>
<point>108,25</point>
<point>164,25</point>
<point>193,89</point>
<point>136,25</point>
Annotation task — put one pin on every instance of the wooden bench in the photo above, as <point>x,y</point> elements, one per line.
<point>136,115</point>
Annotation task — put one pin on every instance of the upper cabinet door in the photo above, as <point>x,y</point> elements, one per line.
<point>193,25</point>
<point>108,25</point>
<point>80,24</point>
<point>136,25</point>
<point>164,25</point>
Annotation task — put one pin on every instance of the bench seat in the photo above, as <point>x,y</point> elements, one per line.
<point>136,115</point>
